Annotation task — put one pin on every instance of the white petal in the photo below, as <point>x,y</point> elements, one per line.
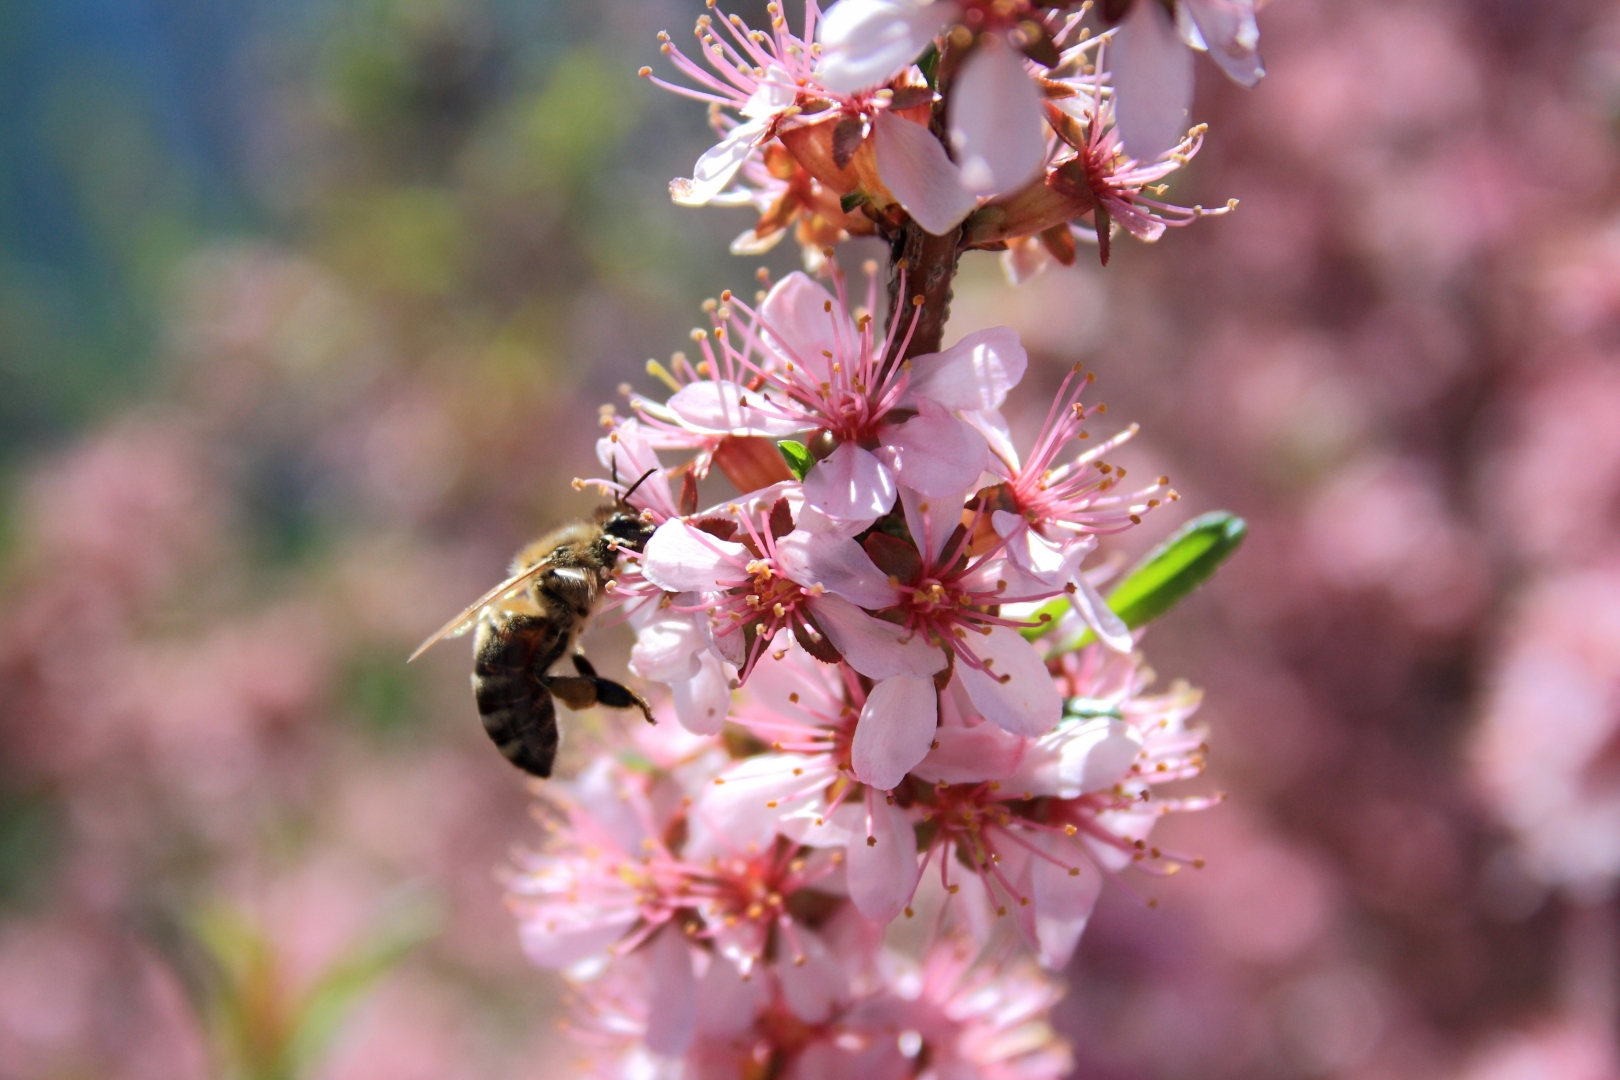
<point>1027,703</point>
<point>701,702</point>
<point>1231,35</point>
<point>993,426</point>
<point>850,484</point>
<point>1053,562</point>
<point>776,92</point>
<point>671,997</point>
<point>975,373</point>
<point>718,165</point>
<point>1153,81</point>
<point>803,323</point>
<point>938,456</point>
<point>931,521</point>
<point>876,649</point>
<point>995,121</point>
<point>667,648</point>
<point>867,42</point>
<point>1078,759</point>
<point>679,558</point>
<point>1063,902</point>
<point>717,406</point>
<point>883,875</point>
<point>839,565</point>
<point>737,815</point>
<point>915,168</point>
<point>895,730</point>
<point>813,984</point>
<point>749,242</point>
<point>1092,608</point>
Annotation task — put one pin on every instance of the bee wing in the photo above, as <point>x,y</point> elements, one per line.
<point>464,621</point>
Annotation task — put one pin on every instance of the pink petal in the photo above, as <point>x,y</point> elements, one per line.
<point>726,1003</point>
<point>1054,562</point>
<point>1027,703</point>
<point>938,456</point>
<point>680,558</point>
<point>1231,35</point>
<point>931,521</point>
<point>671,997</point>
<point>883,869</point>
<point>970,755</point>
<point>895,730</point>
<point>867,42</point>
<point>628,451</point>
<point>799,325</point>
<point>736,813</point>
<point>702,702</point>
<point>1096,613</point>
<point>1078,759</point>
<point>813,984</point>
<point>717,406</point>
<point>1063,903</point>
<point>718,165</point>
<point>850,484</point>
<point>876,649</point>
<point>975,373</point>
<point>1153,82</point>
<point>565,935</point>
<point>914,167</point>
<point>839,565</point>
<point>995,121</point>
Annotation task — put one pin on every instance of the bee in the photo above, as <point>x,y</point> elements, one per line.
<point>528,622</point>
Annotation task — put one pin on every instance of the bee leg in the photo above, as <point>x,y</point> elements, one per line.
<point>584,666</point>
<point>582,691</point>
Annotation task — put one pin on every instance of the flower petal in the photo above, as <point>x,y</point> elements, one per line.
<point>931,521</point>
<point>727,1004</point>
<point>995,121</point>
<point>679,558</point>
<point>1063,901</point>
<point>876,649</point>
<point>804,323</point>
<point>914,167</point>
<point>867,42</point>
<point>838,564</point>
<point>970,755</point>
<point>850,484</point>
<point>671,997</point>
<point>718,165</point>
<point>1026,703</point>
<point>1096,613</point>
<point>1231,35</point>
<point>813,984</point>
<point>895,730</point>
<point>1153,82</point>
<point>1078,759</point>
<point>667,647</point>
<point>775,92</point>
<point>938,456</point>
<point>717,406</point>
<point>975,373</point>
<point>702,702</point>
<point>883,869</point>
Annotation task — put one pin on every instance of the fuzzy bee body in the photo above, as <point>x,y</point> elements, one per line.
<point>529,622</point>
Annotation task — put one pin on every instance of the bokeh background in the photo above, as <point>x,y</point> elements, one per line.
<point>306,309</point>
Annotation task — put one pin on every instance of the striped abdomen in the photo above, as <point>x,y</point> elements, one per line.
<point>512,652</point>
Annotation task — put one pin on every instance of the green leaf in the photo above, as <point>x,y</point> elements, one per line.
<point>797,456</point>
<point>1177,567</point>
<point>1161,580</point>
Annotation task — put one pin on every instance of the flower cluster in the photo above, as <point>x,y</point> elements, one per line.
<point>1003,123</point>
<point>860,649</point>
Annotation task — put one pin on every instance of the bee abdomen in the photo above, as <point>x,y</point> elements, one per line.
<point>520,717</point>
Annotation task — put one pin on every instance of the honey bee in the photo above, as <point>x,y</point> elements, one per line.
<point>529,621</point>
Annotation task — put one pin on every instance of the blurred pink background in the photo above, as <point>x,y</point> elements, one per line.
<point>305,312</point>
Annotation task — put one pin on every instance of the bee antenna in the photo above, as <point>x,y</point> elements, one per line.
<point>632,489</point>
